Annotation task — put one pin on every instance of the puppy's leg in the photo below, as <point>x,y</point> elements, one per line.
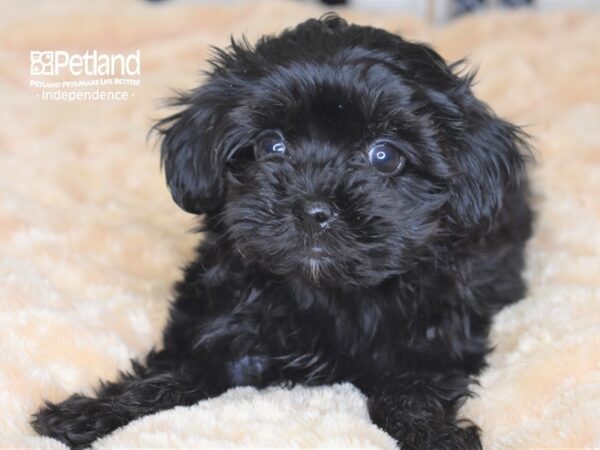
<point>158,385</point>
<point>420,412</point>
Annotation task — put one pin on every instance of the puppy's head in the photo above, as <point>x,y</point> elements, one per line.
<point>338,153</point>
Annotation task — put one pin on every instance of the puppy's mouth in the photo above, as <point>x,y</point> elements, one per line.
<point>316,264</point>
<point>315,267</point>
<point>317,251</point>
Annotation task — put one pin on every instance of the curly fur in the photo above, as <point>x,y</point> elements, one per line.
<point>415,265</point>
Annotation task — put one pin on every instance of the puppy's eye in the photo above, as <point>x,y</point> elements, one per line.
<point>386,158</point>
<point>270,143</point>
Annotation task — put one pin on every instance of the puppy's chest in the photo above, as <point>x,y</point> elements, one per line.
<point>318,336</point>
<point>348,326</point>
<point>315,341</point>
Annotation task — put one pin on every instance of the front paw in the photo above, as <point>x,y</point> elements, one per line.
<point>441,436</point>
<point>77,421</point>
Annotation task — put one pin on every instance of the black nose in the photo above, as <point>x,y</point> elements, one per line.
<point>316,216</point>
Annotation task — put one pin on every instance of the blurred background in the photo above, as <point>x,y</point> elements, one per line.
<point>437,11</point>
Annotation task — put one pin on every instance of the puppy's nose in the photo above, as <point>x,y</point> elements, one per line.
<point>316,216</point>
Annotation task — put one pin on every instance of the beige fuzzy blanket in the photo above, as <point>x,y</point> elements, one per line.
<point>90,241</point>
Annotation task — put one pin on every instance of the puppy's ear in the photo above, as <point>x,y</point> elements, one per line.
<point>490,157</point>
<point>190,149</point>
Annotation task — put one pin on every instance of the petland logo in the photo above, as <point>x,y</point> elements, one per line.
<point>92,76</point>
<point>95,64</point>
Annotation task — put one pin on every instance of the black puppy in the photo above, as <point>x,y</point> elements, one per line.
<point>365,217</point>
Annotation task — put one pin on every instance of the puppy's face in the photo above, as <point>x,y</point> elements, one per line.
<point>338,154</point>
<point>333,180</point>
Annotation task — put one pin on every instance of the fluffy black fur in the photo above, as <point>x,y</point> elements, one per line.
<point>395,294</point>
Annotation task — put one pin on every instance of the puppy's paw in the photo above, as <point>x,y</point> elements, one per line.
<point>77,421</point>
<point>442,437</point>
<point>456,438</point>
